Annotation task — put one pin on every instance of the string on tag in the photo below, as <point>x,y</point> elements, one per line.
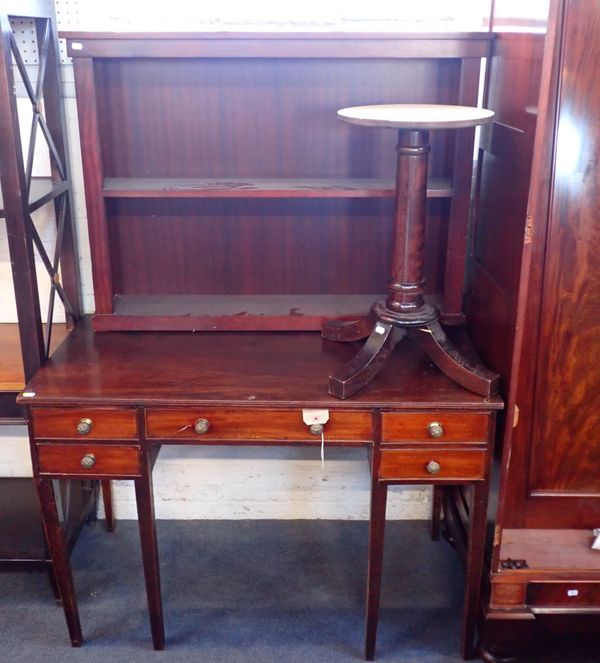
<point>322,450</point>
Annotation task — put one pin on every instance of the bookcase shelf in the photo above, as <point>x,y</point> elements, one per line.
<point>260,188</point>
<point>230,312</point>
<point>221,188</point>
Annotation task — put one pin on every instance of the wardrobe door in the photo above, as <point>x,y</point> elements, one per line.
<point>555,459</point>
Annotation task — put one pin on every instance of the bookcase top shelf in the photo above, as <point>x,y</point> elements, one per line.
<point>277,44</point>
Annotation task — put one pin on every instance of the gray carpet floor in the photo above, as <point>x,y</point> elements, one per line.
<point>251,591</point>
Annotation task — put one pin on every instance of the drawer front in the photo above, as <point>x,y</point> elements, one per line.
<point>249,425</point>
<point>62,423</point>
<point>88,459</point>
<point>443,464</point>
<point>578,595</point>
<point>434,426</point>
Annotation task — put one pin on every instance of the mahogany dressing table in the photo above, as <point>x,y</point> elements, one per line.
<point>105,403</point>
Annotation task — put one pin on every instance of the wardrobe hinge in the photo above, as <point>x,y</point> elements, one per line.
<point>529,229</point>
<point>497,535</point>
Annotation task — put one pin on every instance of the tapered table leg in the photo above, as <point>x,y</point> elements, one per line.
<point>474,568</point>
<point>54,584</point>
<point>149,543</point>
<point>109,514</point>
<point>367,363</point>
<point>60,558</point>
<point>375,563</point>
<point>436,511</point>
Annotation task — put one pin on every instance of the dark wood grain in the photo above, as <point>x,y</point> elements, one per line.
<point>565,450</point>
<point>147,525</point>
<point>474,565</point>
<point>556,456</point>
<point>325,204</point>
<point>60,558</point>
<point>107,500</point>
<point>458,224</point>
<point>412,427</point>
<point>245,369</point>
<point>262,426</point>
<point>61,460</point>
<point>314,246</point>
<point>409,465</point>
<point>61,423</point>
<point>505,165</point>
<point>549,492</point>
<point>93,174</point>
<point>251,388</point>
<point>377,513</point>
<point>15,203</point>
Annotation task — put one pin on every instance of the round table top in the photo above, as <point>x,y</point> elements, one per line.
<point>416,116</point>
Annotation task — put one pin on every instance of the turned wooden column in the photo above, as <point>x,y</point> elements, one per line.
<point>405,303</point>
<point>405,312</point>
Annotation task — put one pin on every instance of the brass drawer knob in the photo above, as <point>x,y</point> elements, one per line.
<point>201,426</point>
<point>85,426</point>
<point>433,467</point>
<point>435,429</point>
<point>88,461</point>
<point>316,429</point>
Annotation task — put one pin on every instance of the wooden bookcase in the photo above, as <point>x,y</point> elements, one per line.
<point>224,194</point>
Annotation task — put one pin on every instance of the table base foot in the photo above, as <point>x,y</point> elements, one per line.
<point>368,362</point>
<point>384,336</point>
<point>470,374</point>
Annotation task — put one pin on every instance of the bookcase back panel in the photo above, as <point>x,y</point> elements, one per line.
<point>260,117</point>
<point>172,247</point>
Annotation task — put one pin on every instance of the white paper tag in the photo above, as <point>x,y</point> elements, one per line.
<point>572,592</point>
<point>310,417</point>
<point>28,394</point>
<point>77,46</point>
<point>379,329</point>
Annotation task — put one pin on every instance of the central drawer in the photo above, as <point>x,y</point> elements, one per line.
<point>221,424</point>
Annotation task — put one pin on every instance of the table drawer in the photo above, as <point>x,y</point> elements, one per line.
<point>436,426</point>
<point>577,595</point>
<point>113,460</point>
<point>71,423</point>
<point>432,465</point>
<point>248,425</point>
